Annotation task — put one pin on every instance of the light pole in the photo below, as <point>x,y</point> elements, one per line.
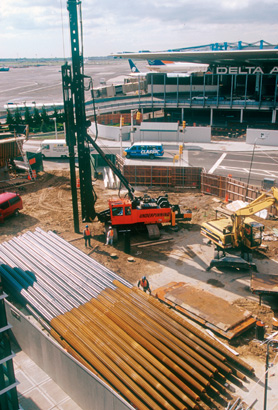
<point>261,137</point>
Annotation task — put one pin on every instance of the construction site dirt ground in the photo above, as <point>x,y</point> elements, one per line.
<point>183,257</point>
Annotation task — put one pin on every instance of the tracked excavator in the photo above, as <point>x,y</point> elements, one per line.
<point>122,214</point>
<point>238,232</point>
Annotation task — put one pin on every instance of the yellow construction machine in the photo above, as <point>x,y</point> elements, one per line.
<point>238,231</point>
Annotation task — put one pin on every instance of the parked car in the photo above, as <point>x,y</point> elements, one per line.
<point>10,204</point>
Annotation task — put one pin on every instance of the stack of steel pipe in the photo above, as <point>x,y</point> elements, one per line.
<point>154,357</point>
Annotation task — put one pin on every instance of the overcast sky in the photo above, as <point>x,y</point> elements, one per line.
<point>39,28</point>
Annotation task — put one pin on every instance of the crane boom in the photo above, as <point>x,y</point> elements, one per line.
<point>264,201</point>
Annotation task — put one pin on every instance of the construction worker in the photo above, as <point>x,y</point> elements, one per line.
<point>87,235</point>
<point>144,283</point>
<point>109,236</point>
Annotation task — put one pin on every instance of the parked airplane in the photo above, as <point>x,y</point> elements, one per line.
<point>176,67</point>
<point>170,68</point>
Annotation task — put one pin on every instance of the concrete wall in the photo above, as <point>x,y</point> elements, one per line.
<point>254,136</point>
<point>178,135</point>
<point>155,132</point>
<point>197,134</point>
<point>111,133</point>
<point>79,383</point>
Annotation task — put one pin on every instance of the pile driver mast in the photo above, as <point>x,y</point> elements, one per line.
<point>76,124</point>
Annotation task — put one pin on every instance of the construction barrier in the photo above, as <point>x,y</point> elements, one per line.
<point>214,185</point>
<point>231,189</point>
<point>114,119</point>
<point>178,177</point>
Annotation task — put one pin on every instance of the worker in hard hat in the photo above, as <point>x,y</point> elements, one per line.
<point>87,236</point>
<point>109,236</point>
<point>144,283</point>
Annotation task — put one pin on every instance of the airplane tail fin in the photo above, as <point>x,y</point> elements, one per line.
<point>133,67</point>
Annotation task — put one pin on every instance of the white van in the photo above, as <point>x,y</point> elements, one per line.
<point>57,149</point>
<point>54,149</point>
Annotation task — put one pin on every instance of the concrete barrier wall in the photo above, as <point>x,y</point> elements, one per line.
<point>78,382</point>
<point>191,134</point>
<point>197,134</point>
<point>156,136</point>
<point>178,136</point>
<point>111,133</point>
<point>261,137</point>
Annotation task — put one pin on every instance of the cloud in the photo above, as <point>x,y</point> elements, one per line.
<point>111,26</point>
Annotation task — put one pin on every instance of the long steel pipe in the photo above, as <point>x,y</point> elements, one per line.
<point>104,366</point>
<point>162,353</point>
<point>82,256</point>
<point>26,297</point>
<point>35,262</point>
<point>148,360</point>
<point>159,319</point>
<point>152,322</point>
<point>45,262</point>
<point>197,380</point>
<point>157,331</point>
<point>41,278</point>
<point>125,344</point>
<point>124,361</point>
<point>68,263</point>
<point>73,333</point>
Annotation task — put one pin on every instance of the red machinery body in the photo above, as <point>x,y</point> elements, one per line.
<point>123,212</point>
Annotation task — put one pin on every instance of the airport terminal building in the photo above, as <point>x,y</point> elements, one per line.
<point>239,86</point>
